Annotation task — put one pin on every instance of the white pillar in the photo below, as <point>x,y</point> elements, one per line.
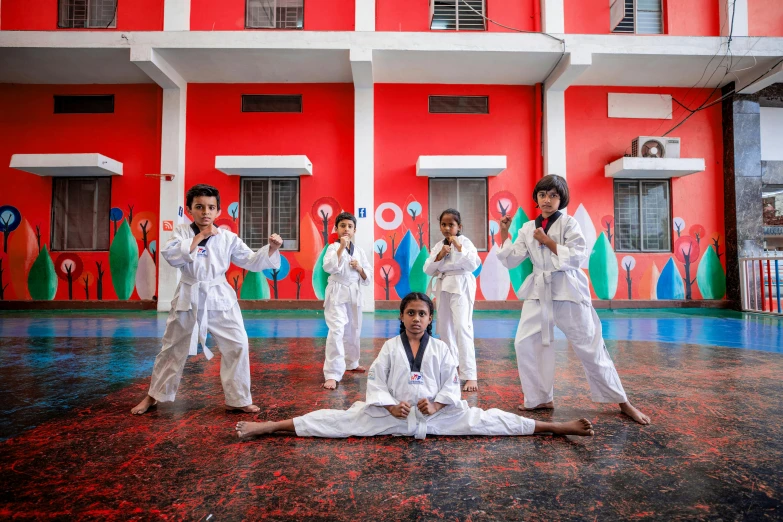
<point>364,160</point>
<point>738,9</point>
<point>554,133</point>
<point>553,16</point>
<point>365,15</point>
<point>176,15</point>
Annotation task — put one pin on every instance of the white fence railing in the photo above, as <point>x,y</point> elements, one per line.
<point>760,281</point>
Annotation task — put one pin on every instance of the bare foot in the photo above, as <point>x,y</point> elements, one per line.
<point>250,429</point>
<point>358,369</point>
<point>145,404</point>
<point>330,384</point>
<point>582,427</point>
<point>247,409</point>
<point>631,411</point>
<point>470,386</point>
<point>543,406</point>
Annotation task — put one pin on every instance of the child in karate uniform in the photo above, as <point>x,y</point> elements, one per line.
<point>557,294</point>
<point>413,390</point>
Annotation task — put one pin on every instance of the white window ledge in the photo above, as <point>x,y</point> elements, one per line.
<point>91,164</point>
<point>264,166</point>
<point>460,166</point>
<point>653,168</point>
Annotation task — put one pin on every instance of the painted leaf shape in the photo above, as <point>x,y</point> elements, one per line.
<point>648,284</point>
<point>418,279</point>
<point>405,256</point>
<point>495,280</point>
<point>320,276</point>
<point>22,253</point>
<point>603,268</point>
<point>145,276</point>
<point>518,274</point>
<point>311,242</point>
<point>670,283</point>
<point>710,276</point>
<point>588,230</point>
<point>254,286</point>
<point>42,279</point>
<point>123,261</point>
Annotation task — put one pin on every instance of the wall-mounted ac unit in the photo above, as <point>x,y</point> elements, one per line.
<point>655,147</point>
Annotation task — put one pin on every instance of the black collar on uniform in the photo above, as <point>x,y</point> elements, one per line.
<point>554,217</point>
<point>349,249</point>
<point>195,229</point>
<point>415,363</point>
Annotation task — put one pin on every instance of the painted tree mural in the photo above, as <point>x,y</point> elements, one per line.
<point>519,273</point>
<point>697,232</point>
<point>3,284</point>
<point>628,263</point>
<point>278,274</point>
<point>69,268</point>
<point>670,285</point>
<point>603,268</point>
<point>389,275</point>
<point>324,212</point>
<point>406,256</point>
<point>254,286</point>
<point>607,222</point>
<point>297,276</point>
<point>413,210</point>
<point>679,225</point>
<point>502,204</point>
<point>710,276</point>
<point>145,227</point>
<point>10,219</point>
<point>87,280</point>
<point>233,211</point>
<point>123,261</point>
<point>716,244</point>
<point>42,279</point>
<point>380,246</point>
<point>686,250</point>
<point>116,215</point>
<point>99,281</point>
<point>418,280</point>
<point>23,249</point>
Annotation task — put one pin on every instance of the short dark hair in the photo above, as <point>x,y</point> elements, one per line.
<point>342,216</point>
<point>202,190</point>
<point>552,182</point>
<point>416,296</point>
<point>452,212</point>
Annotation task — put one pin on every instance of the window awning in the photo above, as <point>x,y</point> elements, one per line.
<point>460,166</point>
<point>263,166</point>
<point>653,168</point>
<point>89,164</point>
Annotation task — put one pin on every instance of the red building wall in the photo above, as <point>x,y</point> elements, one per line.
<point>691,18</point>
<point>404,130</point>
<point>765,18</point>
<point>594,140</point>
<point>323,132</point>
<point>130,135</point>
<point>41,15</point>
<point>229,15</point>
<point>413,15</point>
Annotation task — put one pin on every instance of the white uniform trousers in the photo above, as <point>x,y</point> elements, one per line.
<point>454,326</point>
<point>342,342</point>
<point>451,420</point>
<point>228,329</point>
<point>536,362</point>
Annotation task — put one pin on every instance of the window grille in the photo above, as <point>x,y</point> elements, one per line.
<point>274,14</point>
<point>80,213</point>
<point>637,16</point>
<point>269,205</point>
<point>88,14</point>
<point>458,15</point>
<point>469,196</point>
<point>271,103</point>
<point>642,217</point>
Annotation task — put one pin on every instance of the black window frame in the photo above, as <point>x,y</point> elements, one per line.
<point>54,217</point>
<point>641,248</point>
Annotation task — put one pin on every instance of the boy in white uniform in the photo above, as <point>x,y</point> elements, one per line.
<point>413,390</point>
<point>557,294</point>
<point>348,267</point>
<point>205,302</point>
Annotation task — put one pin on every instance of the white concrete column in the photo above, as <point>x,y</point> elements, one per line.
<point>365,15</point>
<point>364,160</point>
<point>552,16</point>
<point>738,9</point>
<point>176,15</point>
<point>554,133</point>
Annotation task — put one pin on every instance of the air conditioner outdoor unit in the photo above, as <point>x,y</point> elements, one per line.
<point>655,147</point>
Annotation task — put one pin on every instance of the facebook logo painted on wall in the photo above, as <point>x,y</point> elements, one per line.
<point>362,212</point>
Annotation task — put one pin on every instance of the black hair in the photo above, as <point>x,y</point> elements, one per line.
<point>416,296</point>
<point>202,190</point>
<point>453,212</point>
<point>552,182</point>
<point>343,216</point>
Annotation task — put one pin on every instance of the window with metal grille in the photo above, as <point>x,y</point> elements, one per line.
<point>80,213</point>
<point>92,14</point>
<point>457,15</point>
<point>271,103</point>
<point>269,206</point>
<point>459,104</point>
<point>86,104</point>
<point>274,14</point>
<point>637,16</point>
<point>642,217</point>
<point>469,196</point>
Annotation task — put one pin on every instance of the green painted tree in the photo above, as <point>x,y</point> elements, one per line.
<point>710,276</point>
<point>603,268</point>
<point>519,273</point>
<point>320,276</point>
<point>254,286</point>
<point>417,279</point>
<point>123,261</point>
<point>42,279</point>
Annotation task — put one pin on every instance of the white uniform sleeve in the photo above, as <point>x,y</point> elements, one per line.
<point>512,254</point>
<point>431,266</point>
<point>449,393</point>
<point>468,259</point>
<point>367,267</point>
<point>176,251</point>
<point>570,255</point>
<point>378,393</point>
<point>244,257</point>
<point>332,263</point>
